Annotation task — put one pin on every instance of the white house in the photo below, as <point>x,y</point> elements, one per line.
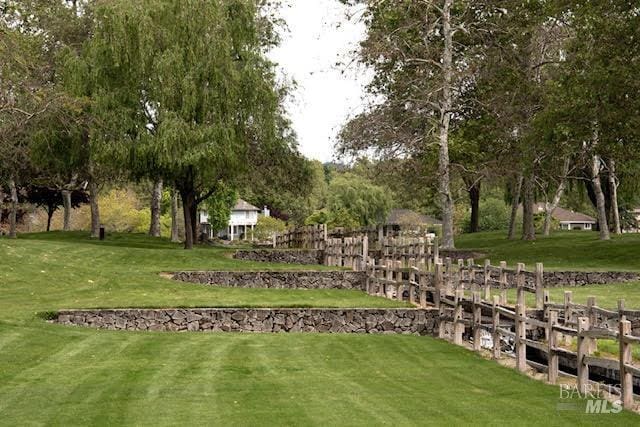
<point>570,220</point>
<point>243,219</point>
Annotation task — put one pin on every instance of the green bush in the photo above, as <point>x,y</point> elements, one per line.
<point>494,216</point>
<point>267,226</point>
<point>340,217</point>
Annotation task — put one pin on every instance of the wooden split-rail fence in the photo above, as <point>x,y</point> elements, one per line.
<point>305,237</point>
<point>472,301</point>
<point>355,251</point>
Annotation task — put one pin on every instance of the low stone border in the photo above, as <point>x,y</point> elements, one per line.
<point>349,320</point>
<point>555,279</point>
<point>277,279</point>
<point>282,256</point>
<point>583,278</point>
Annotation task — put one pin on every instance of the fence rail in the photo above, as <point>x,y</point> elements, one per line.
<point>355,251</point>
<point>467,311</point>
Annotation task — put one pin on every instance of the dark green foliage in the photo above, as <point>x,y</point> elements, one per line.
<point>219,206</point>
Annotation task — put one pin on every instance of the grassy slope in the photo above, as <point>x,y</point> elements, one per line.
<point>607,296</point>
<point>51,374</point>
<point>49,272</point>
<point>561,251</point>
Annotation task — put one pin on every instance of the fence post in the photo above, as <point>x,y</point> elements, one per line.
<point>381,275</point>
<point>520,281</point>
<point>591,314</point>
<point>422,278</point>
<point>436,249</point>
<point>568,313</point>
<point>626,377</point>
<point>370,272</point>
<point>620,308</point>
<point>503,282</point>
<point>414,277</point>
<point>477,321</point>
<point>584,349</point>
<point>539,286</point>
<point>552,361</point>
<point>470,273</point>
<point>365,250</point>
<point>399,281</point>
<point>438,284</point>
<point>448,272</point>
<point>441,313</point>
<point>388,286</point>
<point>495,325</point>
<point>521,335</point>
<point>568,297</point>
<point>458,326</point>
<point>461,270</point>
<point>487,279</point>
<point>324,235</point>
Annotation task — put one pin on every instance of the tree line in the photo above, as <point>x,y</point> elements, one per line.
<point>176,92</point>
<point>538,97</point>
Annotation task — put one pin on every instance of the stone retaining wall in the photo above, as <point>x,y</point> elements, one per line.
<point>582,278</point>
<point>277,279</point>
<point>284,256</point>
<point>350,320</point>
<point>573,278</point>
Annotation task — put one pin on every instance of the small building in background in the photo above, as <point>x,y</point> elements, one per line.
<point>401,221</point>
<point>242,221</point>
<point>569,220</point>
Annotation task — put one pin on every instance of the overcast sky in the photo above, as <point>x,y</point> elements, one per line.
<point>319,37</point>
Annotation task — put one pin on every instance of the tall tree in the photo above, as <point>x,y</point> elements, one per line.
<point>211,103</point>
<point>597,95</point>
<point>423,57</point>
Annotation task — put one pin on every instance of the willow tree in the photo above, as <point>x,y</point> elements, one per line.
<point>204,89</point>
<point>24,98</point>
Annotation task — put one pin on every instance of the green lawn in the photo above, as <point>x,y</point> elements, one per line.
<point>607,296</point>
<point>43,272</point>
<point>57,375</point>
<point>569,250</point>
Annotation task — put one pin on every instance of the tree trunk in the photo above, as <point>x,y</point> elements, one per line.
<point>550,208</point>
<point>95,209</point>
<point>50,213</point>
<point>446,200</point>
<point>188,208</point>
<point>175,237</point>
<point>13,212</point>
<point>194,222</point>
<point>514,208</point>
<point>66,203</point>
<point>613,188</point>
<point>66,212</point>
<point>474,199</point>
<point>156,200</point>
<point>600,202</point>
<point>528,224</point>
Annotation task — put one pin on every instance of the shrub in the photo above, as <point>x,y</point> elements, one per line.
<point>267,226</point>
<point>494,216</point>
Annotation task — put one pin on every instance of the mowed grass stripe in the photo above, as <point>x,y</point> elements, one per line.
<point>567,250</point>
<point>48,375</point>
<point>244,379</point>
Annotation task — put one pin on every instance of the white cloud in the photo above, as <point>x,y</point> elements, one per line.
<point>320,37</point>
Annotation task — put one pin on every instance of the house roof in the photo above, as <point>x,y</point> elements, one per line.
<point>409,217</point>
<point>241,205</point>
<point>565,215</point>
